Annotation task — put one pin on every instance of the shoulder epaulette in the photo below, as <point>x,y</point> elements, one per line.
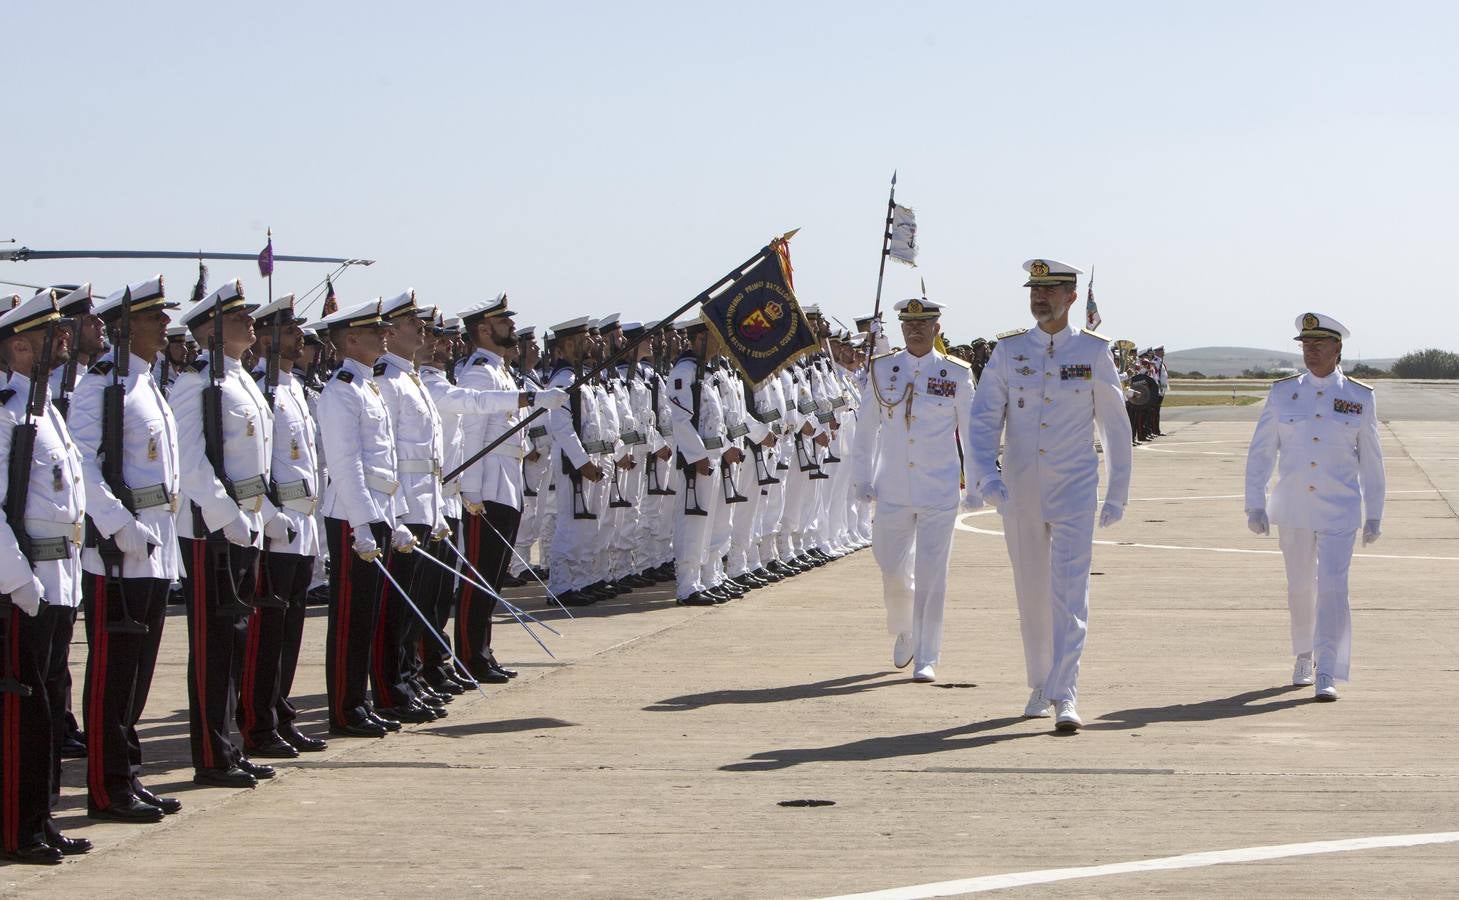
<point>101,368</point>
<point>1361,384</point>
<point>957,360</point>
<point>5,395</point>
<point>259,375</point>
<point>198,365</point>
<point>884,355</point>
<point>479,361</point>
<point>1288,378</point>
<point>1008,334</point>
<point>345,375</point>
<point>380,368</point>
<point>1094,334</point>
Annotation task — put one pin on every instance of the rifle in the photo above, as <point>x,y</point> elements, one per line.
<point>691,472</point>
<point>575,404</point>
<point>219,556</point>
<point>22,455</point>
<point>113,423</point>
<point>762,469</point>
<point>68,374</point>
<point>728,471</point>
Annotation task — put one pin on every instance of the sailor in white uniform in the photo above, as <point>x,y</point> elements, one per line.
<point>907,458</point>
<point>1044,393</point>
<point>1319,431</point>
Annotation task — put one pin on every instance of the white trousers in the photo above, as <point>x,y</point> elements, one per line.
<point>572,555</point>
<point>912,547</point>
<point>1317,596</point>
<point>746,519</point>
<point>1051,577</point>
<point>691,533</point>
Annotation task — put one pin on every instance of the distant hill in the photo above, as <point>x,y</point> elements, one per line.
<point>1235,360</point>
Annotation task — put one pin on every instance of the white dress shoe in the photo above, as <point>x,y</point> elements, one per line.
<point>924,674</point>
<point>1326,690</point>
<point>902,650</point>
<point>1066,717</point>
<point>1303,672</point>
<point>1038,705</point>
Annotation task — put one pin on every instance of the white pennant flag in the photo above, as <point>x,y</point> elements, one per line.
<point>903,247</point>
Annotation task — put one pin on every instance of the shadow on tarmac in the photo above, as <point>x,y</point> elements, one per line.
<point>1233,707</point>
<point>834,687</point>
<point>963,737</point>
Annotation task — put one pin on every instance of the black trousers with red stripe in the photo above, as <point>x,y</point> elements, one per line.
<point>215,644</point>
<point>398,627</point>
<point>489,540</point>
<point>119,671</point>
<point>354,609</point>
<point>271,653</point>
<point>27,737</point>
<point>58,689</point>
<point>439,590</point>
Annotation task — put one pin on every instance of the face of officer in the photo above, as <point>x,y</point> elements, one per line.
<point>89,336</point>
<point>407,335</point>
<point>363,343</point>
<point>919,334</point>
<point>1050,304</point>
<point>149,333</point>
<point>1321,355</point>
<point>22,352</point>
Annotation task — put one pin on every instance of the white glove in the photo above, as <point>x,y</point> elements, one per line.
<point>134,537</point>
<point>237,532</point>
<point>401,539</point>
<point>874,328</point>
<point>996,493</point>
<point>278,531</point>
<point>28,596</point>
<point>1110,514</point>
<point>1256,520</point>
<point>551,398</point>
<point>1371,532</point>
<point>364,543</point>
<point>865,492</point>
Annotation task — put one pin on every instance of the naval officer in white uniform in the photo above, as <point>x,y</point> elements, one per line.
<point>907,459</point>
<point>1319,430</point>
<point>1044,391</point>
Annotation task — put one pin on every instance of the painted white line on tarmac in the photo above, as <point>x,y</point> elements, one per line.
<point>1162,864</point>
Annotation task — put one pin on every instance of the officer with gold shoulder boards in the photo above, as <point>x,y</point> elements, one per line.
<point>1319,431</point>
<point>1043,395</point>
<point>40,581</point>
<point>907,459</point>
<point>131,506</point>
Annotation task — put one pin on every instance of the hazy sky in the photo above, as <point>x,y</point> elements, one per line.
<point>1224,166</point>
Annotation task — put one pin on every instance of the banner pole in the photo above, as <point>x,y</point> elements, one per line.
<point>881,272</point>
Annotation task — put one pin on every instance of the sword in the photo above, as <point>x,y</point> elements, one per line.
<point>481,583</point>
<point>519,559</point>
<point>429,627</point>
<point>515,610</point>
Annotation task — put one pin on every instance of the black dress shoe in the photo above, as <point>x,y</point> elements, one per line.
<point>449,686</point>
<point>168,805</point>
<point>415,714</point>
<point>274,748</point>
<point>302,742</point>
<point>129,810</point>
<point>366,728</point>
<point>487,675</point>
<point>716,595</point>
<point>729,587</point>
<point>766,575</point>
<point>576,598</point>
<point>229,778</point>
<point>387,724</point>
<point>68,846</point>
<point>38,854</point>
<point>257,770</point>
<point>73,748</point>
<point>698,598</point>
<point>513,581</point>
<point>492,663</point>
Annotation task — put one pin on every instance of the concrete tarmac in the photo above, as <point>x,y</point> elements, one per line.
<point>652,758</point>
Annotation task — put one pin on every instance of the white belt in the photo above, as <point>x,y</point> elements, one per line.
<point>383,485</point>
<point>419,466</point>
<point>41,528</point>
<point>305,505</point>
<point>451,488</point>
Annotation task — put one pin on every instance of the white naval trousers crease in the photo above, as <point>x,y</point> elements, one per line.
<point>1051,577</point>
<point>912,545</point>
<point>1317,595</point>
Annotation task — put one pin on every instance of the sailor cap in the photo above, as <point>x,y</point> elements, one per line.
<point>571,326</point>
<point>282,309</point>
<point>1318,325</point>
<point>29,314</point>
<point>145,295</point>
<point>73,300</point>
<point>227,298</point>
<point>608,321</point>
<point>916,309</point>
<point>401,306</point>
<point>312,337</point>
<point>690,326</point>
<point>178,332</point>
<point>527,334</point>
<point>1050,271</point>
<point>362,316</point>
<point>631,329</point>
<point>860,321</point>
<point>497,306</point>
<point>451,324</point>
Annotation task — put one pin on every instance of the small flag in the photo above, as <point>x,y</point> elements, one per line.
<point>266,257</point>
<point>1091,310</point>
<point>903,246</point>
<point>757,318</point>
<point>331,302</point>
<point>200,287</point>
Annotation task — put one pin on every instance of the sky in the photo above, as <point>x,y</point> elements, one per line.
<point>1223,167</point>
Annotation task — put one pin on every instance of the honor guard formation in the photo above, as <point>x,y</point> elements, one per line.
<point>405,465</point>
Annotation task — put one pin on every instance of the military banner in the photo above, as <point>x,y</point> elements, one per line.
<point>903,244</point>
<point>757,319</point>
